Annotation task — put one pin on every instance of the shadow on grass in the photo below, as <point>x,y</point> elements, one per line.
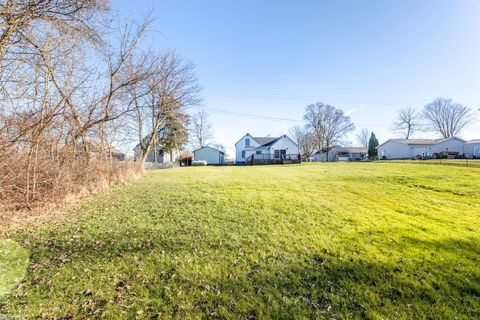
<point>323,285</point>
<point>444,282</point>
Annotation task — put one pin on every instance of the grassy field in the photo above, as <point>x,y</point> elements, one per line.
<point>340,240</point>
<point>470,163</point>
<point>13,265</point>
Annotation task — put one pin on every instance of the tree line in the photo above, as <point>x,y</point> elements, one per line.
<point>327,126</point>
<point>442,117</point>
<point>75,81</point>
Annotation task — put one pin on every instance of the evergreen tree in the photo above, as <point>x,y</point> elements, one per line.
<point>173,134</point>
<point>372,147</point>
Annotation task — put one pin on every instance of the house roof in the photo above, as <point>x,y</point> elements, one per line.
<point>413,142</point>
<point>270,141</point>
<point>445,139</point>
<point>354,149</point>
<point>145,140</point>
<point>260,140</point>
<point>475,141</point>
<point>418,141</point>
<point>338,148</point>
<point>265,141</point>
<point>209,148</point>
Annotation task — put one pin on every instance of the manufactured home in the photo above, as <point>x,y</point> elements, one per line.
<point>472,149</point>
<point>412,148</point>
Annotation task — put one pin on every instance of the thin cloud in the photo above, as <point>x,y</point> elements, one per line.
<point>349,112</point>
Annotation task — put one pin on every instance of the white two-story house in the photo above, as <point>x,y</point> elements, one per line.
<point>264,147</point>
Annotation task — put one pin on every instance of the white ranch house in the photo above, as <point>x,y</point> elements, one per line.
<point>210,155</point>
<point>411,148</point>
<point>264,147</point>
<point>472,149</point>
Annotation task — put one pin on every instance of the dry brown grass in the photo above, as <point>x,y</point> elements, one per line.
<point>27,190</point>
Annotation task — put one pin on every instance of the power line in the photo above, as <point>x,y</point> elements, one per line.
<point>246,115</point>
<point>277,96</point>
<point>268,118</point>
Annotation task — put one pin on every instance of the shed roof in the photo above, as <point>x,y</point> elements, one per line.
<point>209,148</point>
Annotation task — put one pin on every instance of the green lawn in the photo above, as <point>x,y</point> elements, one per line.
<point>13,265</point>
<point>471,163</point>
<point>340,240</point>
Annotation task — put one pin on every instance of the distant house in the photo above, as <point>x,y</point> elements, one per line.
<point>266,149</point>
<point>411,148</point>
<point>157,154</point>
<point>97,150</point>
<point>339,153</point>
<point>210,155</point>
<point>116,154</point>
<point>472,149</point>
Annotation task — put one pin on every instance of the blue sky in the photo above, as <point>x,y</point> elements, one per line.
<point>273,58</point>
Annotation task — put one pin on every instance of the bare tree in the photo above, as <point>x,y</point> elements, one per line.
<point>43,53</point>
<point>40,43</point>
<point>363,137</point>
<point>447,118</point>
<point>296,133</point>
<point>407,123</point>
<point>22,21</point>
<point>307,145</point>
<point>69,88</point>
<point>305,140</point>
<point>201,129</point>
<point>328,124</point>
<point>219,146</point>
<point>159,100</point>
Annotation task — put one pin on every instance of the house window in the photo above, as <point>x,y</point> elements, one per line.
<point>280,154</point>
<point>259,152</point>
<point>243,154</point>
<point>247,142</point>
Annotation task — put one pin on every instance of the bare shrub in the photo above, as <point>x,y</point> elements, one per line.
<point>72,84</point>
<point>52,181</point>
